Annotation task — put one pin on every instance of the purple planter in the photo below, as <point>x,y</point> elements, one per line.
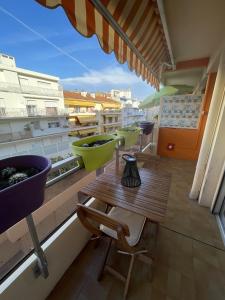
<point>147,127</point>
<point>21,199</point>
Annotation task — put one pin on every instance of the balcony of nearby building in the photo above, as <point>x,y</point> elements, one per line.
<point>111,112</point>
<point>29,89</point>
<point>32,112</point>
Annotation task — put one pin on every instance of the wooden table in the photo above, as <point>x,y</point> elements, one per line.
<point>149,199</point>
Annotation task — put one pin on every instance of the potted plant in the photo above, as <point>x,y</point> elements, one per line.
<point>130,135</point>
<point>95,150</point>
<point>146,127</point>
<point>22,187</point>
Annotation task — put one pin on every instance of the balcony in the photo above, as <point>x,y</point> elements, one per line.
<point>25,113</point>
<point>189,250</point>
<point>188,247</point>
<point>29,89</point>
<point>48,131</point>
<point>15,136</point>
<point>79,131</point>
<point>112,112</point>
<point>33,133</point>
<point>112,124</point>
<point>10,87</point>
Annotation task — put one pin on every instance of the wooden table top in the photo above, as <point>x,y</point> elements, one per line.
<point>149,199</point>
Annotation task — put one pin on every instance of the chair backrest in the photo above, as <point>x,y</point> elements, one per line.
<point>88,215</point>
<point>147,159</point>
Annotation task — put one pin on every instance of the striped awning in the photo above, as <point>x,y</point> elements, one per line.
<point>80,103</point>
<point>106,105</point>
<point>83,119</point>
<point>130,28</point>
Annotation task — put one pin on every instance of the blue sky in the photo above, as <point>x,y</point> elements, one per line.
<point>90,68</point>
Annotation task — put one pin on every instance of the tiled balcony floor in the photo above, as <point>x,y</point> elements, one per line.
<point>190,255</point>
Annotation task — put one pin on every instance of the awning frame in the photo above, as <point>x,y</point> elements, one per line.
<point>103,11</point>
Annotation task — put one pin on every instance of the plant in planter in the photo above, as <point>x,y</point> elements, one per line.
<point>27,127</point>
<point>15,178</point>
<point>130,135</point>
<point>146,127</point>
<point>22,183</point>
<point>7,172</point>
<point>95,150</point>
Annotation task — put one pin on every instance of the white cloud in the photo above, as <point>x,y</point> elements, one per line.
<point>109,76</point>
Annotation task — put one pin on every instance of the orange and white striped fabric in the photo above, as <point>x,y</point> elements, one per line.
<point>138,19</point>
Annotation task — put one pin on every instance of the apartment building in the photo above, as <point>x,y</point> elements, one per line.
<point>109,112</point>
<point>121,94</point>
<point>82,115</point>
<point>92,113</point>
<point>131,116</point>
<point>33,119</point>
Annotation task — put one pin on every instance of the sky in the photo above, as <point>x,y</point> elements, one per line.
<point>85,67</point>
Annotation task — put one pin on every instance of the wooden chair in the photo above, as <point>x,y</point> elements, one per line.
<point>122,226</point>
<point>147,160</point>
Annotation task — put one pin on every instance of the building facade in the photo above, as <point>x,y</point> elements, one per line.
<point>33,119</point>
<point>92,113</point>
<point>121,94</point>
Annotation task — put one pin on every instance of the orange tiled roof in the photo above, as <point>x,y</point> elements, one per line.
<point>101,98</point>
<point>77,96</point>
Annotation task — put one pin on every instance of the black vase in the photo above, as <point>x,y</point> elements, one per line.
<point>131,177</point>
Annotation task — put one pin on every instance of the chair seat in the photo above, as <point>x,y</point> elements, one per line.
<point>134,221</point>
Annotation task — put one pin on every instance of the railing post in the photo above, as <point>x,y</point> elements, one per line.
<point>141,141</point>
<point>42,266</point>
<point>117,157</point>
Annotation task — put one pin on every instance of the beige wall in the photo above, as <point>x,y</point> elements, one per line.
<point>215,164</point>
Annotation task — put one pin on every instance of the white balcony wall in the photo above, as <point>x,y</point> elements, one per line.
<point>12,101</point>
<point>25,128</point>
<point>39,132</point>
<point>10,76</point>
<point>49,146</point>
<point>22,284</point>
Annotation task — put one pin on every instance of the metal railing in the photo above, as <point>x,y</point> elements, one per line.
<point>58,166</point>
<point>111,112</point>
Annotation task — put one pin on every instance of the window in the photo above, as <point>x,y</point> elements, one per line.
<point>51,108</point>
<point>53,124</point>
<point>76,109</point>
<point>90,109</point>
<point>83,109</point>
<point>51,111</point>
<point>2,108</point>
<point>2,112</point>
<point>36,124</point>
<point>31,110</point>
